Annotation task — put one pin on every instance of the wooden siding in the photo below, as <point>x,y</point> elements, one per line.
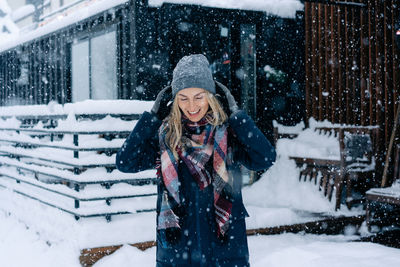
<point>46,61</point>
<point>352,63</point>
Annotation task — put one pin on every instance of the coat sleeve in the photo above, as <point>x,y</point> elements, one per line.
<point>140,149</point>
<point>254,150</point>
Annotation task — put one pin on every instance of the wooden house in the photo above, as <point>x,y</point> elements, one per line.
<point>352,65</point>
<point>128,49</point>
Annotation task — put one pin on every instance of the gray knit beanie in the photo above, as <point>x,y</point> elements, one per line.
<point>192,71</point>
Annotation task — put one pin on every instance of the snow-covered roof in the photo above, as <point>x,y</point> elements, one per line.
<point>8,29</point>
<point>22,12</point>
<point>281,8</point>
<point>66,18</point>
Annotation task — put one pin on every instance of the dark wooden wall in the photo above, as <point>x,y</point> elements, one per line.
<point>38,71</point>
<point>352,63</point>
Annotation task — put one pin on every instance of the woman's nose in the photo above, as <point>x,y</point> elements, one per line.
<point>192,106</point>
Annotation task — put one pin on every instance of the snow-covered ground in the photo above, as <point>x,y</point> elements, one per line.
<point>21,246</point>
<point>50,237</point>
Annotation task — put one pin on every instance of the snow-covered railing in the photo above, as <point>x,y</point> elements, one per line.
<point>73,170</point>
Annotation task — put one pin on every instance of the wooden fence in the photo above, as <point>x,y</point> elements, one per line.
<point>352,63</point>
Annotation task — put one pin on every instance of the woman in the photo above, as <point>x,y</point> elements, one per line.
<point>198,146</point>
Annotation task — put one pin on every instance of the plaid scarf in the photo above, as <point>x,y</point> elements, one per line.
<point>200,140</point>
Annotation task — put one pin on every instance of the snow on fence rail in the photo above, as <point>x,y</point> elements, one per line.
<point>68,163</point>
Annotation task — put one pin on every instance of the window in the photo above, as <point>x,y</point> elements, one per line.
<point>94,68</point>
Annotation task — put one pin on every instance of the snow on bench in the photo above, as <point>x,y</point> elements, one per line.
<point>282,131</point>
<point>388,195</point>
<point>331,154</point>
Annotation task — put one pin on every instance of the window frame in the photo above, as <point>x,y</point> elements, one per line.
<point>88,36</point>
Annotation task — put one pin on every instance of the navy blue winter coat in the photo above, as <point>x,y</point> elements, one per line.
<point>198,244</point>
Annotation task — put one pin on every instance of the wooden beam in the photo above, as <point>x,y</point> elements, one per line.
<point>90,256</point>
<point>330,225</point>
<point>338,3</point>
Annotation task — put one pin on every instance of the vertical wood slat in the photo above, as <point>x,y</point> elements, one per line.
<point>53,68</point>
<point>348,47</point>
<point>307,56</point>
<point>21,86</point>
<point>30,74</point>
<point>50,68</point>
<point>378,77</point>
<point>4,74</point>
<point>322,60</point>
<point>124,59</point>
<point>356,68</point>
<point>315,95</point>
<point>67,95</point>
<point>341,66</point>
<point>121,55</point>
<point>35,71</point>
<point>329,61</point>
<point>7,77</point>
<point>46,71</point>
<point>332,115</point>
<point>63,68</point>
<point>371,55</point>
<point>57,67</point>
<point>40,87</point>
<point>2,78</point>
<point>378,63</point>
<point>364,91</point>
<point>13,73</point>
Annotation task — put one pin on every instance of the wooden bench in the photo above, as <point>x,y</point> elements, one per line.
<point>281,131</point>
<point>387,195</point>
<point>357,146</point>
<point>47,164</point>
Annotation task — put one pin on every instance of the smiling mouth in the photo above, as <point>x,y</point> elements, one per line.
<point>193,113</point>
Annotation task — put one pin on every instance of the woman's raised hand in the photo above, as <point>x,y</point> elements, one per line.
<point>227,96</point>
<point>162,107</point>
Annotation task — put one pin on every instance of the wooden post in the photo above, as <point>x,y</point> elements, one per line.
<point>76,143</point>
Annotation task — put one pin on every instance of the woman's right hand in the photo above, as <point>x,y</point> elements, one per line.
<point>226,97</point>
<point>162,107</point>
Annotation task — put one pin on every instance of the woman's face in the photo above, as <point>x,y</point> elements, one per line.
<point>193,103</point>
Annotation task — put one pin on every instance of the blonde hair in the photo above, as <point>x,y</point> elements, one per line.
<point>174,127</point>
